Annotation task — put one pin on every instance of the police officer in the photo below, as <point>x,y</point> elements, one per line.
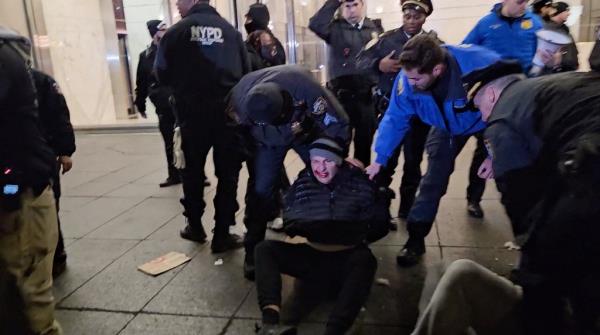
<point>278,109</point>
<point>544,138</point>
<point>264,48</point>
<point>346,36</point>
<point>430,88</point>
<point>381,56</point>
<point>28,226</point>
<point>58,132</point>
<point>147,86</point>
<point>201,58</point>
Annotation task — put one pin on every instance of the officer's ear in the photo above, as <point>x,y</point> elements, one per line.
<point>437,70</point>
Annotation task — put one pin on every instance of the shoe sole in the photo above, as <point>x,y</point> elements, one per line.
<point>225,249</point>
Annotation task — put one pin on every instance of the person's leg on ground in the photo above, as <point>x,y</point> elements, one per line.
<point>476,185</point>
<point>471,296</point>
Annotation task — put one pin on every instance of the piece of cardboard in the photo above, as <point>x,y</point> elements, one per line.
<point>164,263</point>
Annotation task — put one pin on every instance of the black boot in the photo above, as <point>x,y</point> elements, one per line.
<point>474,209</point>
<point>226,243</point>
<point>412,252</point>
<point>249,267</point>
<point>195,233</point>
<point>170,182</point>
<point>275,329</point>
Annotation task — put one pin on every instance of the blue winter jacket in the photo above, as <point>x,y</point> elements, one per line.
<point>406,102</point>
<point>516,40</point>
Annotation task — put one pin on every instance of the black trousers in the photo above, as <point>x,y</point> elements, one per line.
<point>199,135</point>
<point>59,254</point>
<point>166,125</point>
<point>348,272</point>
<point>413,146</point>
<point>361,111</point>
<point>477,185</point>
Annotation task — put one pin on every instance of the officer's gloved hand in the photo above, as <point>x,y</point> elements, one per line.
<point>142,110</point>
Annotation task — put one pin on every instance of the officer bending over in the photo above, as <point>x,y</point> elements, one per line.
<point>430,88</point>
<point>335,207</point>
<point>201,58</point>
<point>277,109</point>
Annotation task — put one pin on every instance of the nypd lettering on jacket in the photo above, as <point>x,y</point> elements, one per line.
<point>206,35</point>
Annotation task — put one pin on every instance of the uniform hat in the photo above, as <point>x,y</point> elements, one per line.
<point>264,103</point>
<point>539,4</point>
<point>153,26</point>
<point>424,6</point>
<point>327,148</point>
<point>477,79</point>
<point>560,7</point>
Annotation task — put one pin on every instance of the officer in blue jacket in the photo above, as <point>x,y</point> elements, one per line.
<point>430,88</point>
<point>277,109</point>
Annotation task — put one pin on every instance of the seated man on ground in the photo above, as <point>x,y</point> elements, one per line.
<point>336,208</point>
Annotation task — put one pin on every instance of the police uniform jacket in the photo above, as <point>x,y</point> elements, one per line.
<point>315,108</point>
<point>379,48</point>
<point>23,150</point>
<point>147,85</point>
<point>54,115</point>
<point>511,38</point>
<point>201,57</point>
<point>457,118</point>
<point>345,40</point>
<point>347,211</point>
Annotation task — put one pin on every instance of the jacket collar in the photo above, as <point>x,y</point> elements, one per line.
<point>203,8</point>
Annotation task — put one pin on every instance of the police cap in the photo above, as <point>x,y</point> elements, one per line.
<point>477,79</point>
<point>264,103</point>
<point>424,6</point>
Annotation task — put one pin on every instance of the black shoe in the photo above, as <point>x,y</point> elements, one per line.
<point>412,252</point>
<point>393,226</point>
<point>58,268</point>
<point>270,329</point>
<point>193,234</point>
<point>229,242</point>
<point>206,183</point>
<point>249,268</point>
<point>474,210</point>
<point>170,182</point>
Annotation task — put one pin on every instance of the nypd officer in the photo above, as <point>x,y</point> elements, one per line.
<point>202,57</point>
<point>429,87</point>
<point>278,109</point>
<point>346,36</point>
<point>381,56</point>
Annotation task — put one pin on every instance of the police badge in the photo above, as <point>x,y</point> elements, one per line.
<point>319,106</point>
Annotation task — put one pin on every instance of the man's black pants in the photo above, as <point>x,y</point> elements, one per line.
<point>200,132</point>
<point>349,272</point>
<point>60,254</point>
<point>361,112</point>
<point>166,125</point>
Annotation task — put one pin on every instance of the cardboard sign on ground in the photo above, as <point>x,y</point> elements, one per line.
<point>164,263</point>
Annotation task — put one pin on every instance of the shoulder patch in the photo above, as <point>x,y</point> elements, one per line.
<point>527,24</point>
<point>319,106</point>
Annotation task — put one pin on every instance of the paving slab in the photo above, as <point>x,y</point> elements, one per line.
<point>92,322</point>
<point>121,286</point>
<point>144,324</point>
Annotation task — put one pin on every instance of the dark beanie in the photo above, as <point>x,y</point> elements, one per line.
<point>259,14</point>
<point>537,5</point>
<point>560,7</point>
<point>153,26</point>
<point>264,103</point>
<point>327,148</point>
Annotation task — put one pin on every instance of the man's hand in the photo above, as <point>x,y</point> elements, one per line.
<point>373,170</point>
<point>355,162</point>
<point>389,65</point>
<point>485,170</point>
<point>551,59</point>
<point>142,110</point>
<point>66,163</point>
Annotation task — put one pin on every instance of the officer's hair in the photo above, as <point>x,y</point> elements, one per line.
<point>422,52</point>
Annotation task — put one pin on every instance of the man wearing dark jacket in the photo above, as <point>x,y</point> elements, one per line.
<point>58,131</point>
<point>28,226</point>
<point>278,109</point>
<point>147,86</point>
<point>264,49</point>
<point>201,58</point>
<point>336,208</point>
<point>346,36</point>
<point>556,21</point>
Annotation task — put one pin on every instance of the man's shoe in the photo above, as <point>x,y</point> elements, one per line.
<point>192,234</point>
<point>249,268</point>
<point>393,225</point>
<point>270,329</point>
<point>229,242</point>
<point>170,182</point>
<point>412,252</point>
<point>474,210</point>
<point>206,183</point>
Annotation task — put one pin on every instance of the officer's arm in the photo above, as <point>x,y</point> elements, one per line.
<point>246,63</point>
<point>320,23</point>
<point>335,122</point>
<point>394,125</point>
<point>369,57</point>
<point>141,85</point>
<point>63,137</point>
<point>161,63</point>
<point>474,36</point>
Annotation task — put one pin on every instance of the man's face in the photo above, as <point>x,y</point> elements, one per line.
<point>184,6</point>
<point>485,100</point>
<point>514,8</point>
<point>562,17</point>
<point>352,11</point>
<point>323,169</point>
<point>413,21</point>
<point>422,81</point>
